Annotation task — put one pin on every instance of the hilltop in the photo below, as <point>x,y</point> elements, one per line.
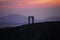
<point>36,31</point>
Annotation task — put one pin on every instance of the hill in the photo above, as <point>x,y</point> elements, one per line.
<point>13,20</point>
<point>37,31</point>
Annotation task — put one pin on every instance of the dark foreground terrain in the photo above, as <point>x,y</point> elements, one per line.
<point>37,31</point>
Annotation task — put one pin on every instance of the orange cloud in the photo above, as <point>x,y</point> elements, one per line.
<point>37,3</point>
<point>43,2</point>
<point>32,3</point>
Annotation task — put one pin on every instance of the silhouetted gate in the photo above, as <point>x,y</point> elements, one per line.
<point>29,19</point>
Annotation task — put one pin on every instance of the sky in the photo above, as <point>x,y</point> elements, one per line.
<point>40,9</point>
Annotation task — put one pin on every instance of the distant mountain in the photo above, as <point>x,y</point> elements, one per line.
<point>51,19</point>
<point>16,19</point>
<point>13,20</point>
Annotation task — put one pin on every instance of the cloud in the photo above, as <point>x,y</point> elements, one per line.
<point>29,7</point>
<point>28,3</point>
<point>5,3</point>
<point>3,0</point>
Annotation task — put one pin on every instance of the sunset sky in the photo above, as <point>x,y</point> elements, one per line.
<point>38,8</point>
